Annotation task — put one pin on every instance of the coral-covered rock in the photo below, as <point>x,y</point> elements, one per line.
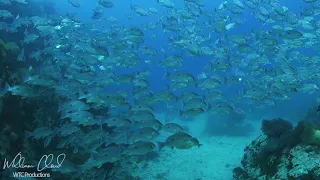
<point>275,128</point>
<point>305,159</point>
<point>310,133</point>
<point>249,159</point>
<point>265,159</point>
<point>239,173</point>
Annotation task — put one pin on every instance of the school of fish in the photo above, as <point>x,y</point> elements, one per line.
<point>79,65</point>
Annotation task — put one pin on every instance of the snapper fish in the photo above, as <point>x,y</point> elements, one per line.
<point>20,90</point>
<point>180,140</point>
<point>166,3</point>
<point>5,14</point>
<point>291,34</point>
<point>74,3</point>
<point>20,1</point>
<point>41,80</point>
<point>172,128</point>
<point>39,133</point>
<point>106,3</point>
<point>140,148</point>
<point>139,10</point>
<point>5,2</point>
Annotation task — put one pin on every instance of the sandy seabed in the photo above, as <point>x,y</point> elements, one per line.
<point>214,160</point>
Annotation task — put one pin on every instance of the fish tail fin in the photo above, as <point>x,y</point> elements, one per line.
<point>165,74</point>
<point>93,155</point>
<point>241,91</point>
<point>47,141</point>
<point>182,105</point>
<point>26,32</point>
<point>196,84</point>
<point>100,121</point>
<point>126,139</point>
<point>7,87</point>
<point>160,145</point>
<point>181,113</point>
<point>167,87</point>
<point>27,134</point>
<point>75,150</point>
<point>185,128</point>
<point>81,95</point>
<point>59,107</point>
<point>26,78</point>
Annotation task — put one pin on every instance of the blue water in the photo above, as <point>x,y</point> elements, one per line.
<point>215,132</point>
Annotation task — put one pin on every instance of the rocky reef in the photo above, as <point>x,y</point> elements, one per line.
<point>282,152</point>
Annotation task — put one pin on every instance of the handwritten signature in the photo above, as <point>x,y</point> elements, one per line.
<point>44,163</point>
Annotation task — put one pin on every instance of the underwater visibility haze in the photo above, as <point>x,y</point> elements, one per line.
<point>160,89</point>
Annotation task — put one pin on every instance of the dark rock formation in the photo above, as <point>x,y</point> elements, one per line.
<point>282,153</point>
